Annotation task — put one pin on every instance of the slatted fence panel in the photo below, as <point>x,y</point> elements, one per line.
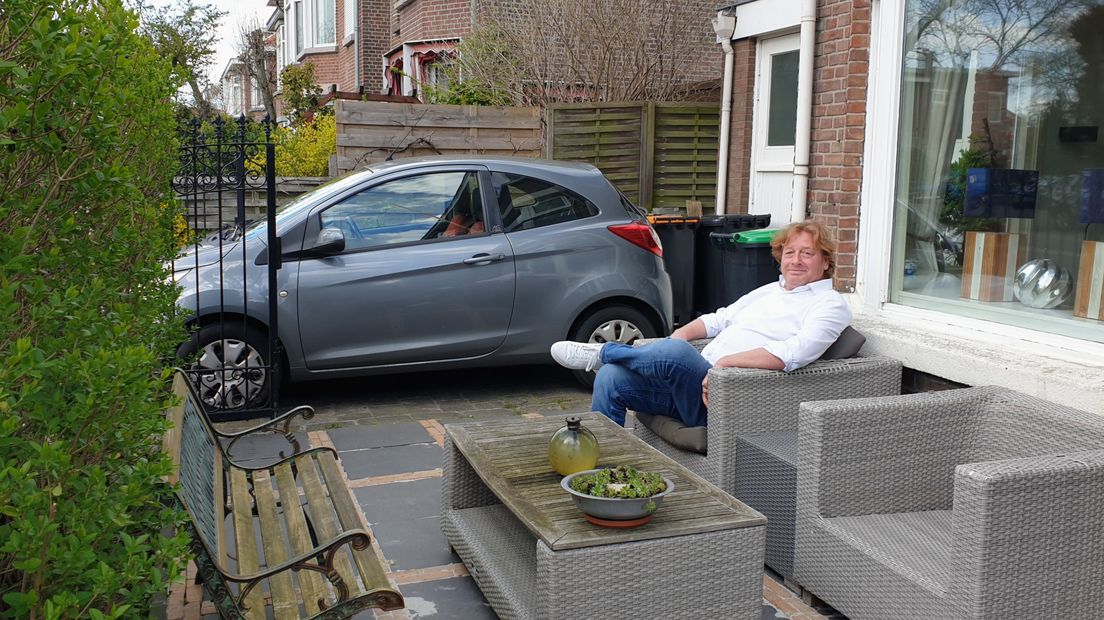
<point>685,155</point>
<point>609,136</point>
<point>370,131</point>
<point>658,154</point>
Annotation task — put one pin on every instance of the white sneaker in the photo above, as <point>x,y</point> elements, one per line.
<point>577,355</point>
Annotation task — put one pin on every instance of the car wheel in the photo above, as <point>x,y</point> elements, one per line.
<point>229,369</point>
<point>611,324</point>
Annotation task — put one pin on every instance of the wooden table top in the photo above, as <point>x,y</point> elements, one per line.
<point>511,457</point>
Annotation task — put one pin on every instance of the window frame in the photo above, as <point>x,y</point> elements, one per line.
<point>878,196</point>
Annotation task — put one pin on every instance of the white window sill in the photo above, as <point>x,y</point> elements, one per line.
<point>348,40</point>
<point>320,49</point>
<point>1062,370</point>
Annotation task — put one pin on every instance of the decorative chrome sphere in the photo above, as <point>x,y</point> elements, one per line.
<point>1042,283</point>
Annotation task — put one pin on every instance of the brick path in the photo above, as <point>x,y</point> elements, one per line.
<point>388,432</point>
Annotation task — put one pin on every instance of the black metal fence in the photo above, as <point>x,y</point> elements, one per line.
<point>228,276</point>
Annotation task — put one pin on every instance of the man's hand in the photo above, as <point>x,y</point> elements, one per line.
<point>705,390</point>
<point>693,330</point>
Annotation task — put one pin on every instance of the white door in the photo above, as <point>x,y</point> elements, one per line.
<point>774,125</point>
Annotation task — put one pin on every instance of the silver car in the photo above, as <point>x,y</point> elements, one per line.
<point>423,264</point>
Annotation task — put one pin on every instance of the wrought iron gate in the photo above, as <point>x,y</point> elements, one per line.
<point>228,273</point>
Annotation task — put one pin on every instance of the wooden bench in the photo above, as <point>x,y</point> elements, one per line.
<point>312,557</point>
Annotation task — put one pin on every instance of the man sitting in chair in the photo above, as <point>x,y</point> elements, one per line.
<point>783,325</point>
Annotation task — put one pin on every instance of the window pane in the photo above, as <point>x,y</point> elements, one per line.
<point>324,22</point>
<point>999,202</point>
<point>409,209</point>
<point>350,18</point>
<point>525,202</point>
<point>782,122</point>
<point>298,27</point>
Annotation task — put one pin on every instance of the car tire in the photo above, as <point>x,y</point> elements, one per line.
<point>244,382</point>
<point>611,324</point>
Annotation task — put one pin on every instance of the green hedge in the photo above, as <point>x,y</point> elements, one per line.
<point>86,149</point>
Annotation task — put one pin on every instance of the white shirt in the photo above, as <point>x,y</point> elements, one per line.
<point>795,326</point>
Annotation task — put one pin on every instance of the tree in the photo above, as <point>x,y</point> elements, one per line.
<point>254,54</point>
<point>582,50</point>
<point>185,34</point>
<point>301,93</point>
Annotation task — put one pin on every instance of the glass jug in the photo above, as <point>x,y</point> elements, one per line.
<point>573,448</point>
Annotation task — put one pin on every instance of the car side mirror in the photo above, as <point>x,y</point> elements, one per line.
<point>330,241</point>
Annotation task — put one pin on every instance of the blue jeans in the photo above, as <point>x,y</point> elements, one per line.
<point>661,378</point>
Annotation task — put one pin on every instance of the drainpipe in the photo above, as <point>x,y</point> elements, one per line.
<point>804,111</point>
<point>724,24</point>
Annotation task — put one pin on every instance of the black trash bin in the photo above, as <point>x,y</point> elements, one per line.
<point>747,261</point>
<point>709,287</point>
<point>677,234</point>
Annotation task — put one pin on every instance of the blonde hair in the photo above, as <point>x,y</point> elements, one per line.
<point>822,239</point>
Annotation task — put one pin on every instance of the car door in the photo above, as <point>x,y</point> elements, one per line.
<point>420,279</point>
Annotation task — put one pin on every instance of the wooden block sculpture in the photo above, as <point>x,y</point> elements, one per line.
<point>1089,302</point>
<point>990,263</point>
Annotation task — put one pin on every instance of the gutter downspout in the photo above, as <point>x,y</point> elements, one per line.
<point>358,81</point>
<point>724,24</point>
<point>804,111</point>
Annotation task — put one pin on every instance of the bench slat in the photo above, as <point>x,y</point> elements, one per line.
<point>248,561</point>
<point>371,567</point>
<point>284,602</point>
<point>310,582</point>
<point>326,524</point>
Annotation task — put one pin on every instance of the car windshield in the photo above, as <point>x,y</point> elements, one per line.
<point>259,227</point>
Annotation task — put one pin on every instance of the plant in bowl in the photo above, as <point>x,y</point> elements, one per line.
<point>617,496</point>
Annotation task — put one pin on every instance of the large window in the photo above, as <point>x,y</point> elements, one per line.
<point>999,209</point>
<point>313,25</point>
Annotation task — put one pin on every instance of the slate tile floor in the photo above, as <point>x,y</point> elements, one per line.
<point>388,433</point>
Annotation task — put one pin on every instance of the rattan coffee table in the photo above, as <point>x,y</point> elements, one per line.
<point>534,555</point>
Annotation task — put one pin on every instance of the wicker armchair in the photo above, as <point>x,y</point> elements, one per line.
<point>971,503</point>
<point>752,434</point>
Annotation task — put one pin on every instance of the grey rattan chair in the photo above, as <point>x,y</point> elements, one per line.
<point>752,434</point>
<point>971,503</point>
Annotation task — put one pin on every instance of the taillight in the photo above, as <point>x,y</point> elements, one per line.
<point>640,235</point>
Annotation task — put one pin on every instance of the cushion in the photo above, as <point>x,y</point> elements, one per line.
<point>847,345</point>
<point>674,432</point>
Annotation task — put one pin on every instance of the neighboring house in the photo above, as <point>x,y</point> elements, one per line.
<point>867,114</point>
<point>241,94</point>
<point>393,46</point>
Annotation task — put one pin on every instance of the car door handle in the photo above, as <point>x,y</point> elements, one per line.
<point>482,259</point>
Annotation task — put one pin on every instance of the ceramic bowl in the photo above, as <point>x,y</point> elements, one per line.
<point>615,508</point>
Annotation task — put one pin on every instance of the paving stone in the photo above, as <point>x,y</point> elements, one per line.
<point>391,460</point>
<point>378,436</point>
<point>404,516</point>
<point>457,598</point>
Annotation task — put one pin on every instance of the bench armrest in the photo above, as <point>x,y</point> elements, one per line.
<point>283,459</point>
<point>884,455</point>
<point>280,425</point>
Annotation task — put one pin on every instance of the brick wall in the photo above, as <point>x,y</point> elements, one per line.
<point>327,68</point>
<point>374,42</point>
<point>423,20</point>
<point>840,72</point>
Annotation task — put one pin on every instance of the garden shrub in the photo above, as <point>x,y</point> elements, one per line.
<point>87,145</point>
<point>304,151</point>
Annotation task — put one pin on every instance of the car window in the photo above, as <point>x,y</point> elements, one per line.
<point>525,202</point>
<point>426,206</point>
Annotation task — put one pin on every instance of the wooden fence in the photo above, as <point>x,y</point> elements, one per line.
<point>658,154</point>
<point>370,132</point>
<point>202,210</point>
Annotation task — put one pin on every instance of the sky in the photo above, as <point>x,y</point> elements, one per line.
<point>237,12</point>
